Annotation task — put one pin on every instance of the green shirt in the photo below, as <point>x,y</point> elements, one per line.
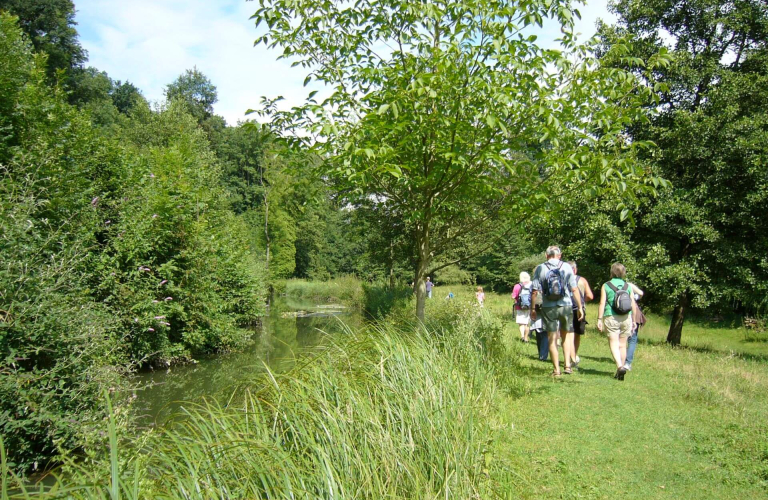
<point>610,295</point>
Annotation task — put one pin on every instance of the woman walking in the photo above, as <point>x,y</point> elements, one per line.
<point>521,294</point>
<point>617,301</point>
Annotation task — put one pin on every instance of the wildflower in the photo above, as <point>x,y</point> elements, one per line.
<point>135,320</point>
<point>155,301</point>
<point>168,298</point>
<point>159,317</point>
<point>165,323</point>
<point>95,201</point>
<point>150,329</point>
<point>154,216</point>
<point>108,223</point>
<point>163,282</point>
<point>151,175</point>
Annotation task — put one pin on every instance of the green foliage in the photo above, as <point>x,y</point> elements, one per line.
<point>453,275</point>
<point>117,249</point>
<point>196,91</point>
<point>58,348</point>
<point>462,125</point>
<point>50,26</point>
<point>178,268</point>
<point>700,244</point>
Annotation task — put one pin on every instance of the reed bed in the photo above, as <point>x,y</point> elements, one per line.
<point>383,412</point>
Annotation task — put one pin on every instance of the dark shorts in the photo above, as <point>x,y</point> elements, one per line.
<point>557,319</point>
<point>578,327</point>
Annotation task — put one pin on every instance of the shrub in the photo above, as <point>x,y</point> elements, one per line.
<point>59,350</point>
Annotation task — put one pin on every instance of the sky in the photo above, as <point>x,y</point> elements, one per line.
<point>151,42</point>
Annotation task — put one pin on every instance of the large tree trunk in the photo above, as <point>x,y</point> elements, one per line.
<point>678,318</point>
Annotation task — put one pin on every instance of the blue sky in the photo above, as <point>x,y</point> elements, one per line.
<point>151,42</point>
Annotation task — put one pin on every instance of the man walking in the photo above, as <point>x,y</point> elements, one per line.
<point>579,325</point>
<point>556,282</point>
<point>428,285</point>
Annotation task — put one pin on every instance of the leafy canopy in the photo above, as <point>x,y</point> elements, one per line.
<point>451,117</point>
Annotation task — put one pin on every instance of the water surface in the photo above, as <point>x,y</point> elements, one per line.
<point>289,330</point>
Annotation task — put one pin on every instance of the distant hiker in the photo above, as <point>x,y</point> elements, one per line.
<point>638,321</point>
<point>429,286</point>
<point>556,283</point>
<point>617,301</point>
<point>522,295</point>
<point>580,326</point>
<point>449,296</point>
<point>480,296</point>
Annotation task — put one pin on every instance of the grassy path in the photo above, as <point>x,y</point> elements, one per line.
<point>684,424</point>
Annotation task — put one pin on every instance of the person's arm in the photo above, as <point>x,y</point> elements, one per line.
<point>588,295</point>
<point>601,310</point>
<point>634,308</point>
<point>579,305</point>
<point>636,290</point>
<point>516,291</point>
<point>534,293</point>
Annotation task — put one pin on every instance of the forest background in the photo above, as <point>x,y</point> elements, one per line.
<point>136,233</point>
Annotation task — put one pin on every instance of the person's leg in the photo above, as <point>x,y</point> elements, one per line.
<point>623,349</point>
<point>568,355</point>
<point>613,343</point>
<point>543,341</point>
<point>526,333</point>
<point>576,344</point>
<point>631,346</point>
<point>552,338</point>
<point>522,331</point>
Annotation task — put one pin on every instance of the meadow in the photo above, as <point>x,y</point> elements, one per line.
<point>687,422</point>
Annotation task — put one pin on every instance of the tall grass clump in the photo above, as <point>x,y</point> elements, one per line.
<point>385,412</point>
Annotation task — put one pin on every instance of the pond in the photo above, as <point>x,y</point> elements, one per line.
<point>289,329</point>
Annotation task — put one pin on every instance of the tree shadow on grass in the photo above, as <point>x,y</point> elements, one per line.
<point>590,371</point>
<point>761,358</point>
<point>598,358</point>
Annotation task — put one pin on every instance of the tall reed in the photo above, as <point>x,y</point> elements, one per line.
<point>385,412</point>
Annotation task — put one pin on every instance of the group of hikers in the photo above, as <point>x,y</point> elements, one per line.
<point>552,305</point>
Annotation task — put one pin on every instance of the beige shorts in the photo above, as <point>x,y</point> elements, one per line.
<point>618,326</point>
<point>522,316</point>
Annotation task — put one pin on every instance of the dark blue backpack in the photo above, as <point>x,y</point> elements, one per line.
<point>554,283</point>
<point>524,298</point>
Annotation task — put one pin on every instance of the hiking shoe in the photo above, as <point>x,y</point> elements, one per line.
<point>628,367</point>
<point>620,373</point>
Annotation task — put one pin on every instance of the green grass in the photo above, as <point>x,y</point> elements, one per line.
<point>461,409</point>
<point>687,422</point>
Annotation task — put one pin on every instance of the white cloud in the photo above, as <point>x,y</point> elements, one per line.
<point>151,42</point>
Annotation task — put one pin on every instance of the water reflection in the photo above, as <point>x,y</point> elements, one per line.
<point>283,336</point>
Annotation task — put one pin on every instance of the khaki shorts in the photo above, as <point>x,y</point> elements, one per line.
<point>522,316</point>
<point>557,319</point>
<point>619,326</point>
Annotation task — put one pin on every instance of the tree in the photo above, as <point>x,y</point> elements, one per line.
<point>434,109</point>
<point>702,242</point>
<point>196,91</point>
<point>50,26</point>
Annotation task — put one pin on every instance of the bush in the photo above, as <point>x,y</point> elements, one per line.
<point>59,350</point>
<point>177,269</point>
<point>115,251</point>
